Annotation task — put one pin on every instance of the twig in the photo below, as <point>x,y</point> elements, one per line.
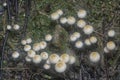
<point>13,68</point>
<point>27,14</point>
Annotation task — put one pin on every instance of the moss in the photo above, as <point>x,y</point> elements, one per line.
<point>60,38</point>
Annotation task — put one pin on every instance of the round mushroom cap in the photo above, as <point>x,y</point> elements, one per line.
<point>81,13</point>
<point>88,29</point>
<point>60,66</point>
<point>94,56</point>
<point>37,59</point>
<point>54,58</point>
<point>111,45</point>
<point>64,57</point>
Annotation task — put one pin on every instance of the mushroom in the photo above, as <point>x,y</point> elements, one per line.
<point>88,29</point>
<point>81,13</point>
<point>60,12</point>
<point>28,40</point>
<point>111,45</point>
<point>31,53</point>
<point>64,57</point>
<point>36,47</point>
<point>60,66</point>
<point>54,58</point>
<point>87,42</point>
<point>48,37</point>
<point>111,33</point>
<point>55,16</point>
<point>93,39</point>
<point>79,44</point>
<point>28,59</point>
<point>71,20</point>
<point>46,66</point>
<point>43,44</point>
<point>37,59</point>
<point>77,34</point>
<point>15,55</point>
<point>16,27</point>
<point>44,55</point>
<point>94,57</point>
<point>9,27</point>
<point>81,23</point>
<point>27,47</point>
<point>72,59</point>
<point>23,42</point>
<point>63,20</point>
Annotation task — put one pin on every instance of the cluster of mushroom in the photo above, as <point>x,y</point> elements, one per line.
<point>110,45</point>
<point>81,24</point>
<point>83,27</point>
<point>60,62</point>
<point>31,51</point>
<point>15,27</point>
<point>33,55</point>
<point>75,37</point>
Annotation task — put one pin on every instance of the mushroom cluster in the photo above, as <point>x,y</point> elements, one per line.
<point>110,45</point>
<point>15,27</point>
<point>37,54</point>
<point>82,29</point>
<point>81,37</point>
<point>78,23</point>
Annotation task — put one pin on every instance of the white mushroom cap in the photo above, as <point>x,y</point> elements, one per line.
<point>16,27</point>
<point>37,59</point>
<point>29,40</point>
<point>111,45</point>
<point>4,4</point>
<point>111,33</point>
<point>9,27</point>
<point>72,60</point>
<point>23,42</point>
<point>44,55</point>
<point>48,37</point>
<point>28,59</point>
<point>46,66</point>
<point>60,12</point>
<point>47,61</point>
<point>36,47</point>
<point>81,13</point>
<point>71,20</point>
<point>77,34</point>
<point>31,53</point>
<point>15,55</point>
<point>60,66</point>
<point>79,44</point>
<point>55,16</point>
<point>93,39</point>
<point>88,29</point>
<point>54,58</point>
<point>73,38</point>
<point>64,57</point>
<point>63,20</point>
<point>81,23</point>
<point>43,44</point>
<point>27,47</point>
<point>87,42</point>
<point>106,50</point>
<point>94,56</point>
